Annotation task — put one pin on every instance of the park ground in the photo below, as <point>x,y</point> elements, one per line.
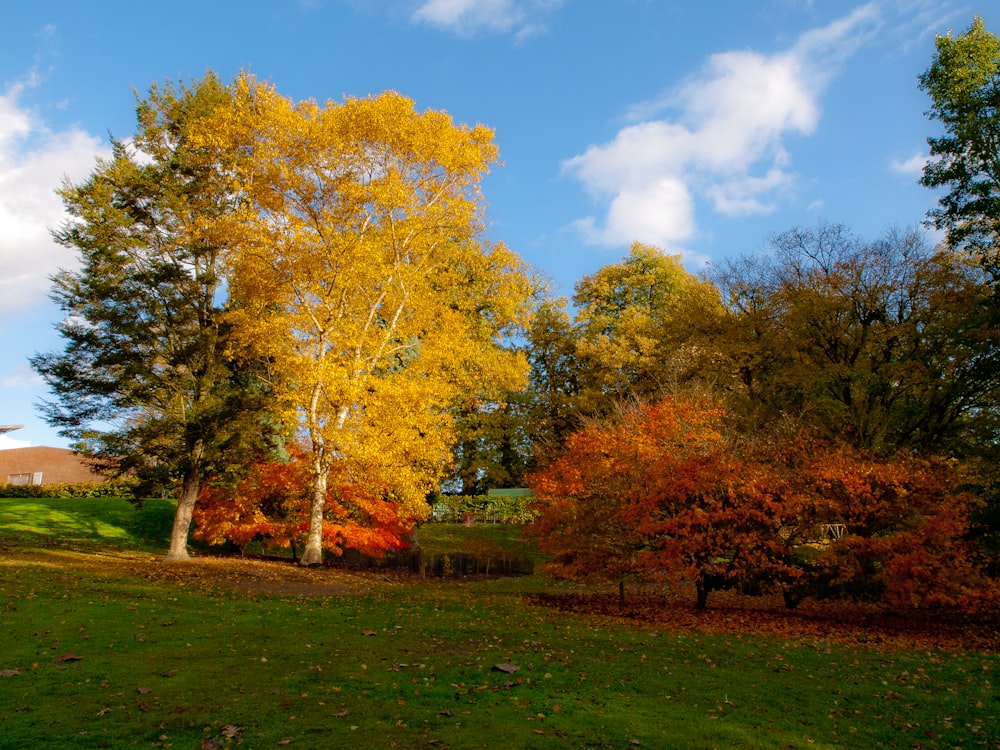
<point>102,644</point>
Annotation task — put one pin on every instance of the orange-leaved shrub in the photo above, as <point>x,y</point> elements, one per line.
<point>670,491</point>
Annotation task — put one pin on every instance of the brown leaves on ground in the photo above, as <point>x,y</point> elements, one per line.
<point>850,623</point>
<point>243,574</point>
<point>253,576</point>
<point>226,734</point>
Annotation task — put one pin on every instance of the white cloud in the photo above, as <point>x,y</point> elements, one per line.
<point>467,17</point>
<point>912,166</point>
<point>719,136</point>
<point>916,21</point>
<point>9,442</point>
<point>33,162</point>
<point>662,209</point>
<point>22,377</point>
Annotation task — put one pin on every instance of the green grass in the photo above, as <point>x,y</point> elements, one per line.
<point>168,661</point>
<point>100,521</point>
<point>444,538</point>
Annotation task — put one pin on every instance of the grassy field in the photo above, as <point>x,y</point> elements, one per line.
<point>103,645</point>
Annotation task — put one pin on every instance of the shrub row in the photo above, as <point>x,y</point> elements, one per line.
<point>115,488</point>
<point>515,509</point>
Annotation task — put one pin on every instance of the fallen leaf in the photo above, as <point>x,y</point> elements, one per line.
<point>9,672</point>
<point>143,690</point>
<point>231,730</point>
<point>68,657</point>
<point>366,631</point>
<point>341,714</point>
<point>506,667</point>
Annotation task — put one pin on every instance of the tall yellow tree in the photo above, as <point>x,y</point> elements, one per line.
<point>362,275</point>
<point>644,325</point>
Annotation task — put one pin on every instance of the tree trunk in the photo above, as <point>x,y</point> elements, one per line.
<point>185,507</point>
<point>312,553</point>
<point>702,587</point>
<point>792,599</point>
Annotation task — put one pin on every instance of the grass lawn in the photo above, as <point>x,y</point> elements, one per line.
<point>103,645</point>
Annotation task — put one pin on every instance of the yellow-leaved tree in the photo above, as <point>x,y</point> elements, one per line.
<point>643,326</point>
<point>363,277</point>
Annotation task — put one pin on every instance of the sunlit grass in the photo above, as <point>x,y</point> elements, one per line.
<point>179,656</point>
<point>96,520</point>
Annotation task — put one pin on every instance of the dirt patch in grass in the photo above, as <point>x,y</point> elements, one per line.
<point>849,623</point>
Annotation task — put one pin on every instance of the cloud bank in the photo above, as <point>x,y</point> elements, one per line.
<point>469,17</point>
<point>33,162</point>
<point>912,166</point>
<point>718,138</point>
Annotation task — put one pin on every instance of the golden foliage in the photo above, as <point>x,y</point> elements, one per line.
<point>362,278</point>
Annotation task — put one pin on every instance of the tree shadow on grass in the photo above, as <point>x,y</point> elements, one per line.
<point>60,521</point>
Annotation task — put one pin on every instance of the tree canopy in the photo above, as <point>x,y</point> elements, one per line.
<point>361,275</point>
<point>963,82</point>
<point>143,386</point>
<point>883,344</point>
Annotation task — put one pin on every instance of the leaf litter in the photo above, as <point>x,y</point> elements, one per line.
<point>836,621</point>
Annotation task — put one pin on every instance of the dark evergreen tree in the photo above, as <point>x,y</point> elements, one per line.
<point>143,386</point>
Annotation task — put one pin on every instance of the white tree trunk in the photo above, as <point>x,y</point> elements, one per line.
<point>313,552</point>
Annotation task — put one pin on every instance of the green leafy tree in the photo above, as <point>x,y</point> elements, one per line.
<point>885,345</point>
<point>493,446</point>
<point>142,386</point>
<point>963,83</point>
<point>554,388</point>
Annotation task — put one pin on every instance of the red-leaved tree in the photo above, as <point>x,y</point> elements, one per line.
<point>901,529</point>
<point>659,491</point>
<point>271,504</point>
<point>668,491</point>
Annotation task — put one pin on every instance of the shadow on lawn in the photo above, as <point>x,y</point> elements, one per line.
<point>60,521</point>
<point>838,621</point>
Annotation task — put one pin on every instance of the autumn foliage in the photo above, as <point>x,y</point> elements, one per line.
<point>905,524</point>
<point>272,505</point>
<point>665,491</point>
<point>361,274</point>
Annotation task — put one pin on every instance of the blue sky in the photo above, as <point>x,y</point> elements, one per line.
<point>700,127</point>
